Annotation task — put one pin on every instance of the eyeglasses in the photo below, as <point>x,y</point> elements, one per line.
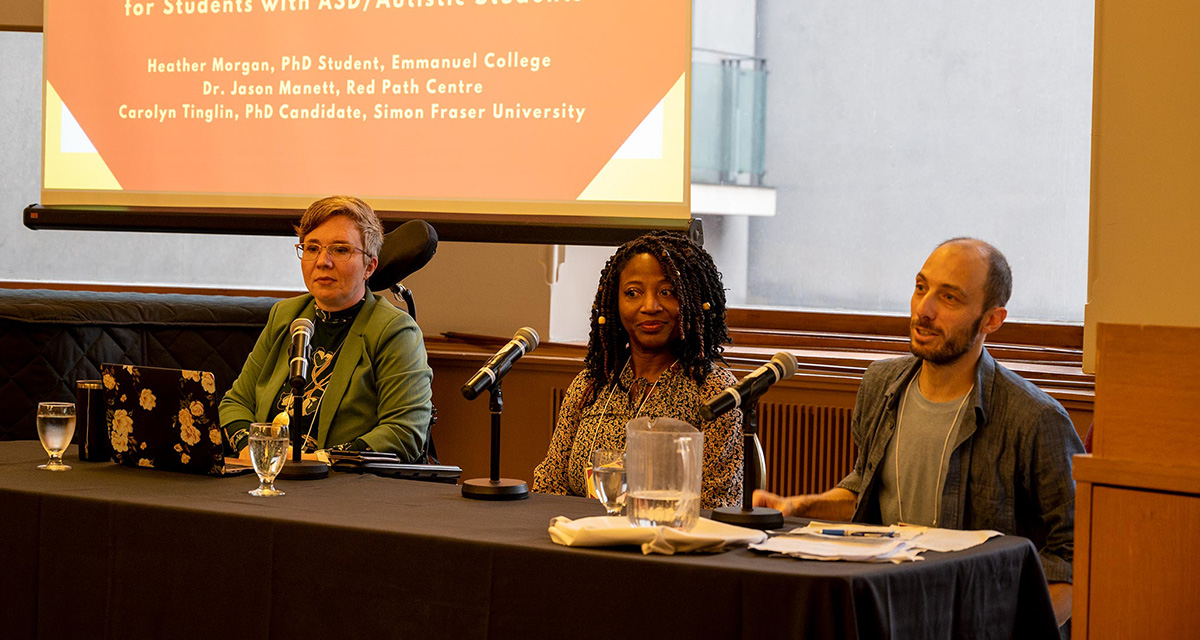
<point>338,251</point>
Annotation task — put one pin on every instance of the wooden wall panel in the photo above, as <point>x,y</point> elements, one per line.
<point>21,15</point>
<point>1138,494</point>
<point>805,430</point>
<point>804,423</point>
<point>463,431</point>
<point>1148,392</point>
<point>1082,567</point>
<point>1140,541</point>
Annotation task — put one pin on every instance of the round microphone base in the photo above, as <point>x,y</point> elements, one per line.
<point>502,489</point>
<point>304,470</point>
<point>756,518</point>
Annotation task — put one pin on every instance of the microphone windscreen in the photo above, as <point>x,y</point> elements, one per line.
<point>302,324</point>
<point>788,362</point>
<point>529,336</point>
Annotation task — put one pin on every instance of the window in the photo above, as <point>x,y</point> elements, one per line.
<point>884,128</point>
<point>889,128</point>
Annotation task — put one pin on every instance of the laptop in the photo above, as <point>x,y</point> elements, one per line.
<point>166,419</point>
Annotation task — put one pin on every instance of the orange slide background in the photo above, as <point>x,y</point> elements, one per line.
<point>615,58</point>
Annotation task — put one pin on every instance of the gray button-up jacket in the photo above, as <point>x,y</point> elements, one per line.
<point>1010,468</point>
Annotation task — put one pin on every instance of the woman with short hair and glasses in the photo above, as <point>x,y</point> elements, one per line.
<point>369,383</point>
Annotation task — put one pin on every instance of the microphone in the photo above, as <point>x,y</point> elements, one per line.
<point>489,376</point>
<point>781,367</point>
<point>302,330</point>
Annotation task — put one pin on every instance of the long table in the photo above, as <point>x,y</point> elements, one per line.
<point>104,551</point>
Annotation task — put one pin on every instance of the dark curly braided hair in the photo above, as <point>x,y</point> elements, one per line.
<point>697,285</point>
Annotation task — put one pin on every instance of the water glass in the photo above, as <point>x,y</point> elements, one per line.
<point>268,452</point>
<point>608,478</point>
<point>55,428</point>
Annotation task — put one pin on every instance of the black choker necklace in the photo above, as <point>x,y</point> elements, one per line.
<point>339,317</point>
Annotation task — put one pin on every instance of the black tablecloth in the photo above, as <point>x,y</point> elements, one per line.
<point>105,551</point>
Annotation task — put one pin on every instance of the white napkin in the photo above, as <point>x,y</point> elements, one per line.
<point>605,531</point>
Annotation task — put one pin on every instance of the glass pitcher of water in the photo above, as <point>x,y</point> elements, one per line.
<point>663,460</point>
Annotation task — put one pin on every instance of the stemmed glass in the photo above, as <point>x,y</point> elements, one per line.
<point>608,477</point>
<point>55,427</point>
<point>268,452</point>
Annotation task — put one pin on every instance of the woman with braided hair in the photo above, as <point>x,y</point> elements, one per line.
<point>658,324</point>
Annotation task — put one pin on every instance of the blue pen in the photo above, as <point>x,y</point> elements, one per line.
<point>858,534</point>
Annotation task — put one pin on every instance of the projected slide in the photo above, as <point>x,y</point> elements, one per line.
<point>493,106</point>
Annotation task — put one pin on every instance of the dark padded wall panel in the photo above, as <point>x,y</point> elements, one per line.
<point>50,339</point>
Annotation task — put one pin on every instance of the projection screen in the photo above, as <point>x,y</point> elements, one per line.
<point>486,115</point>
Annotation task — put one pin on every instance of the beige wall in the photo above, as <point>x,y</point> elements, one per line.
<point>1144,257</point>
<point>21,15</point>
<point>495,289</point>
<point>490,289</point>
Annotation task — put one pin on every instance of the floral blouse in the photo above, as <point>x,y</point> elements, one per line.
<point>600,424</point>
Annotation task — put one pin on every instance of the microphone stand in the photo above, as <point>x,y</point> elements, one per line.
<point>749,515</point>
<point>495,487</point>
<point>297,469</point>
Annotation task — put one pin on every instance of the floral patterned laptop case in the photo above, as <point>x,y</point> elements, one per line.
<point>163,418</point>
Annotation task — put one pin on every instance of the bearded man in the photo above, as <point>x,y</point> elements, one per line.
<point>949,438</point>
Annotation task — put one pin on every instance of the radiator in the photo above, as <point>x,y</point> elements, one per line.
<point>808,448</point>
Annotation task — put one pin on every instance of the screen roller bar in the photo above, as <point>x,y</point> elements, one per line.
<point>452,227</point>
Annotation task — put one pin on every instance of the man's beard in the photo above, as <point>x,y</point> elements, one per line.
<point>953,346</point>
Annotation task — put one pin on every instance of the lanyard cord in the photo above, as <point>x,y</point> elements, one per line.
<point>613,387</point>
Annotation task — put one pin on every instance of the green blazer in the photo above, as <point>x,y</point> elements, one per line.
<point>379,391</point>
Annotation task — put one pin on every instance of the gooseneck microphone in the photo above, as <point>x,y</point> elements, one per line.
<point>744,395</point>
<point>301,349</point>
<point>781,367</point>
<point>302,331</point>
<point>523,342</point>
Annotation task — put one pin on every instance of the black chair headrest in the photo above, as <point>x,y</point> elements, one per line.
<point>405,250</point>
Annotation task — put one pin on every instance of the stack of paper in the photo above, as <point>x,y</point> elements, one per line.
<point>869,543</point>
